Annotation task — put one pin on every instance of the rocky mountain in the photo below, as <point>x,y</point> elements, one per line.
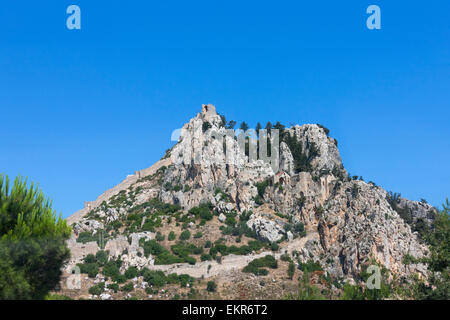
<point>205,211</point>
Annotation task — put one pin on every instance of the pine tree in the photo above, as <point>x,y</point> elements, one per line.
<point>32,242</point>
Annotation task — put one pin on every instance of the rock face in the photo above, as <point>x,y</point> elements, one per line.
<point>266,229</point>
<point>353,219</point>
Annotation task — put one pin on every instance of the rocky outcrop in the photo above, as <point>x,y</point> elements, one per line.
<point>266,229</point>
<point>352,222</point>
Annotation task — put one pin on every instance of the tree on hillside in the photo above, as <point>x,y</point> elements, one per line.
<point>244,126</point>
<point>258,127</point>
<point>32,242</point>
<point>231,124</point>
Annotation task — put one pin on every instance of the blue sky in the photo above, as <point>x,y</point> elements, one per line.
<point>81,109</point>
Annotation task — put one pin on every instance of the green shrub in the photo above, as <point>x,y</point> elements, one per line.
<point>198,235</point>
<point>132,272</point>
<point>285,257</point>
<point>90,268</point>
<point>102,257</point>
<point>159,237</point>
<point>185,235</point>
<point>256,266</point>
<point>85,237</point>
<point>310,266</point>
<point>90,258</point>
<point>97,289</point>
<point>155,278</point>
<point>211,286</point>
<point>291,270</point>
<point>127,287</point>
<point>114,287</point>
<point>171,236</point>
<point>205,257</point>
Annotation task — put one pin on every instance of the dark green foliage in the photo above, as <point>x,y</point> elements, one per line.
<point>90,258</point>
<point>97,289</point>
<point>261,186</point>
<point>198,235</point>
<point>101,257</point>
<point>114,287</point>
<point>285,257</point>
<point>131,273</point>
<point>211,286</point>
<point>185,235</point>
<point>257,266</point>
<point>310,266</point>
<point>171,236</point>
<point>90,268</point>
<point>112,269</point>
<point>159,237</point>
<point>244,126</point>
<point>206,126</point>
<point>291,270</point>
<point>231,124</point>
<point>205,257</point>
<point>32,242</point>
<point>157,278</point>
<point>302,158</point>
<point>223,120</point>
<point>438,286</point>
<point>203,212</point>
<point>326,130</point>
<point>127,287</point>
<point>183,250</point>
<point>85,237</point>
<point>163,256</point>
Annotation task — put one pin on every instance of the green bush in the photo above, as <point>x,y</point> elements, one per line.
<point>291,270</point>
<point>171,236</point>
<point>211,286</point>
<point>256,266</point>
<point>185,235</point>
<point>97,289</point>
<point>205,257</point>
<point>90,268</point>
<point>112,269</point>
<point>85,237</point>
<point>159,237</point>
<point>203,212</point>
<point>285,257</point>
<point>132,272</point>
<point>198,235</point>
<point>310,266</point>
<point>32,242</point>
<point>90,258</point>
<point>101,257</point>
<point>127,287</point>
<point>114,287</point>
<point>155,278</point>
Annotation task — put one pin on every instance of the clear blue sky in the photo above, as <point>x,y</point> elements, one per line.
<point>82,109</point>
